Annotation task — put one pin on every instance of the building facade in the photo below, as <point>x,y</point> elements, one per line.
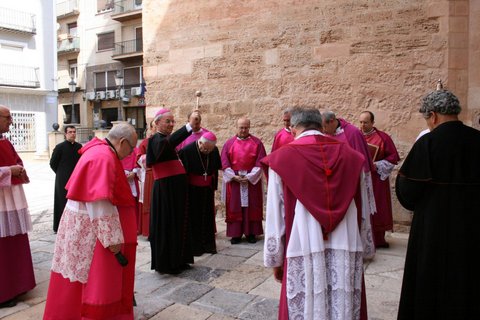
<point>255,58</point>
<point>100,49</point>
<point>27,72</point>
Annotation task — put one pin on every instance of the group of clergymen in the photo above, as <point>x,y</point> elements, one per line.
<point>328,207</point>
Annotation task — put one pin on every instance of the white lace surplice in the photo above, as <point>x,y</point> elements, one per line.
<point>81,225</point>
<point>14,214</point>
<point>324,277</point>
<point>254,176</point>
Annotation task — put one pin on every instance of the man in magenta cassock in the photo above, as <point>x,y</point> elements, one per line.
<point>242,184</point>
<point>284,135</point>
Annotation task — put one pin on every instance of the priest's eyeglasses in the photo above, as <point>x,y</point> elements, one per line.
<point>130,145</point>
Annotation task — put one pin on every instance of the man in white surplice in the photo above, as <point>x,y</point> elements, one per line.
<point>312,234</point>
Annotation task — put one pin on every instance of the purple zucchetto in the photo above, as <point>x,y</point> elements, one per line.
<point>210,136</point>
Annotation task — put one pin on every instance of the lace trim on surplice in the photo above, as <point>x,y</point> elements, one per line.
<point>325,285</point>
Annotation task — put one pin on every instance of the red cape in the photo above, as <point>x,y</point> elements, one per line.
<point>322,173</point>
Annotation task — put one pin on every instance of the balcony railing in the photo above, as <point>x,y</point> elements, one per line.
<point>67,8</point>
<point>71,44</point>
<point>18,76</point>
<point>124,6</point>
<point>128,47</point>
<point>17,21</point>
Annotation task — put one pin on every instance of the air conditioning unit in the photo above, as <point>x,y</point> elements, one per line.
<point>100,95</point>
<point>111,94</point>
<point>136,91</point>
<point>90,96</point>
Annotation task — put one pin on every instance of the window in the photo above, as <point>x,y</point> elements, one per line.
<point>132,77</point>
<point>72,67</point>
<point>67,108</point>
<point>72,29</point>
<point>105,80</point>
<point>106,41</point>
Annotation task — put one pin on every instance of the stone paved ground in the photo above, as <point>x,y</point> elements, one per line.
<point>232,284</point>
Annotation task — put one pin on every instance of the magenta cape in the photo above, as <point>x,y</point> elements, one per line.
<point>94,180</point>
<point>320,172</point>
<point>282,137</point>
<point>243,155</point>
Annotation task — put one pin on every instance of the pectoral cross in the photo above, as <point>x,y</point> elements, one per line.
<point>205,176</point>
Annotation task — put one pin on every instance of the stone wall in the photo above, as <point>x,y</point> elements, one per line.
<point>256,58</point>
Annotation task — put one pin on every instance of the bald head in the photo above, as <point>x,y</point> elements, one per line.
<point>243,127</point>
<point>5,119</point>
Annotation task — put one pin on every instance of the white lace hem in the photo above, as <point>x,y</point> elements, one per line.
<point>325,285</point>
<point>14,215</point>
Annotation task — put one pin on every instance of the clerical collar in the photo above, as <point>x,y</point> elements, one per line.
<point>287,129</point>
<point>243,138</point>
<point>369,132</point>
<point>111,146</point>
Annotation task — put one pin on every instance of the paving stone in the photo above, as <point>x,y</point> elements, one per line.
<point>187,293</point>
<point>239,252</point>
<point>149,305</point>
<point>224,302</point>
<point>217,316</point>
<point>221,261</point>
<point>261,309</point>
<point>181,312</point>
<point>147,282</point>
<point>23,311</point>
<point>41,256</point>
<point>251,276</point>
<point>256,259</point>
<point>201,273</point>
<point>270,288</point>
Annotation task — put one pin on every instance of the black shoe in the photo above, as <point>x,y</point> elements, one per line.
<point>8,304</point>
<point>235,240</point>
<point>251,238</point>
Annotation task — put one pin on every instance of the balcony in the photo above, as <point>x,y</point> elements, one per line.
<point>67,9</point>
<point>127,50</point>
<point>125,10</point>
<point>18,76</point>
<point>17,21</point>
<point>69,45</point>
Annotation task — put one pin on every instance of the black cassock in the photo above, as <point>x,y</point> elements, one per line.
<point>64,159</point>
<point>440,182</point>
<point>201,199</point>
<point>169,238</point>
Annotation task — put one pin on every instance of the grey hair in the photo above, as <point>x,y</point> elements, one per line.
<point>440,101</point>
<point>205,140</point>
<point>288,110</point>
<point>122,130</point>
<point>329,116</point>
<point>309,118</point>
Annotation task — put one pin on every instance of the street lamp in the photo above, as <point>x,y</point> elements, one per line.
<point>119,83</point>
<point>72,87</point>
